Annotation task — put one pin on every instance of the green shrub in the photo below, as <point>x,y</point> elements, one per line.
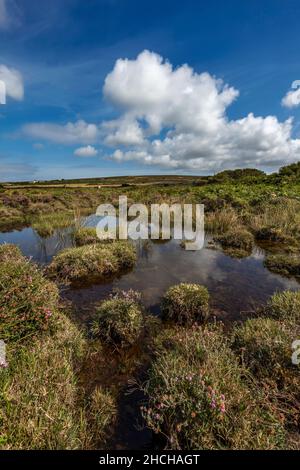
<point>199,398</point>
<point>92,261</point>
<point>185,303</point>
<point>28,301</point>
<point>119,319</point>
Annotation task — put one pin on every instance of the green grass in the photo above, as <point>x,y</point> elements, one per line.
<point>284,306</point>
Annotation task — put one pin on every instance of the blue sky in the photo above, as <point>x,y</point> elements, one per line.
<point>63,50</point>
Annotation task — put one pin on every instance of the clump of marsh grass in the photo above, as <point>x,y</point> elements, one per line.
<point>10,253</point>
<point>265,345</point>
<point>277,221</point>
<point>46,224</point>
<point>185,303</point>
<point>102,413</point>
<point>28,301</point>
<point>283,263</point>
<point>92,261</point>
<point>236,242</point>
<point>221,220</point>
<point>85,236</point>
<point>119,320</point>
<point>38,393</point>
<point>199,397</point>
<point>284,306</point>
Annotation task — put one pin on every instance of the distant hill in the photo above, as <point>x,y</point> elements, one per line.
<point>238,175</point>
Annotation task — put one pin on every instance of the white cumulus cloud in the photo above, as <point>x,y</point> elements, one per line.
<point>87,151</point>
<point>13,81</point>
<point>292,97</point>
<point>176,118</point>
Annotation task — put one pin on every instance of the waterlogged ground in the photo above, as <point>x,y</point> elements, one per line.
<point>235,285</point>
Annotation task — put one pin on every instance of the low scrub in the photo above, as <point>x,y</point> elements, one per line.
<point>273,234</point>
<point>28,301</point>
<point>120,320</point>
<point>201,398</point>
<point>92,261</point>
<point>38,393</point>
<point>185,303</point>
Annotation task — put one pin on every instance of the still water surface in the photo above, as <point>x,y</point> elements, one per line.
<point>235,285</point>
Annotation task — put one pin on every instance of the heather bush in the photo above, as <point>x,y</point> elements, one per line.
<point>199,396</point>
<point>28,301</point>
<point>185,303</point>
<point>119,320</point>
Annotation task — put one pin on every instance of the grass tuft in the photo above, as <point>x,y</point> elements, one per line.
<point>120,320</point>
<point>185,303</point>
<point>92,261</point>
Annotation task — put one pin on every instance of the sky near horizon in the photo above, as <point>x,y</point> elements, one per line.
<point>127,87</point>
